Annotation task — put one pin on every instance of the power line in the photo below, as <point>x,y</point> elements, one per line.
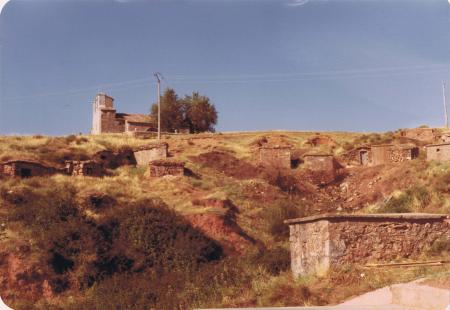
<point>255,78</point>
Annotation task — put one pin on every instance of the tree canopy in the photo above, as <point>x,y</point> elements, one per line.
<point>194,112</point>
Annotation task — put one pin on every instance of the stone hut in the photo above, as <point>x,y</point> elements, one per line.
<point>321,140</point>
<point>148,153</point>
<point>25,169</point>
<point>438,152</point>
<point>84,168</point>
<point>163,167</point>
<point>389,153</point>
<point>421,134</point>
<point>445,138</point>
<point>320,242</point>
<point>105,119</point>
<point>322,167</point>
<point>361,156</point>
<point>275,156</point>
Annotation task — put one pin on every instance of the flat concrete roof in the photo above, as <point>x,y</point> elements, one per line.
<point>438,144</point>
<point>387,216</point>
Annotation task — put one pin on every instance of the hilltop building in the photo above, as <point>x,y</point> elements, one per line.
<point>105,119</point>
<point>275,156</point>
<point>438,152</point>
<point>421,134</point>
<point>389,153</point>
<point>25,169</point>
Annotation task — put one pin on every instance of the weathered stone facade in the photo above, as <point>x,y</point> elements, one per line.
<point>320,242</point>
<point>84,168</point>
<point>322,167</point>
<point>361,156</point>
<point>438,152</point>
<point>160,168</point>
<point>275,156</point>
<point>445,138</point>
<point>389,153</point>
<point>148,153</point>
<point>421,134</point>
<point>25,169</point>
<point>106,120</point>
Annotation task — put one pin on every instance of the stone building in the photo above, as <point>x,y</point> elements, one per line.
<point>25,169</point>
<point>163,167</point>
<point>389,153</point>
<point>445,138</point>
<point>360,156</point>
<point>438,152</point>
<point>323,168</point>
<point>320,242</point>
<point>421,134</point>
<point>275,156</point>
<point>105,119</point>
<point>148,153</point>
<point>84,168</point>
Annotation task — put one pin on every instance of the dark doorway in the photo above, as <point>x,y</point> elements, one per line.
<point>364,157</point>
<point>25,172</point>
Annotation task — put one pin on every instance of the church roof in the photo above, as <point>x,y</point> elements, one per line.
<point>135,118</point>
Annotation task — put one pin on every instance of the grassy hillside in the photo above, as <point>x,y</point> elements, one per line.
<point>213,238</point>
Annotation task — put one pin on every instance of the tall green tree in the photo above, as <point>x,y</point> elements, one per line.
<point>172,111</point>
<point>200,113</point>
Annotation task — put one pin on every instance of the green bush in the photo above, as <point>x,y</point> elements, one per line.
<point>77,252</point>
<point>276,215</point>
<point>415,198</point>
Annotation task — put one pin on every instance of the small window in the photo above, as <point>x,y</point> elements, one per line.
<point>438,150</point>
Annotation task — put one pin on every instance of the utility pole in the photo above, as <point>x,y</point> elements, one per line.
<point>158,78</point>
<point>445,104</point>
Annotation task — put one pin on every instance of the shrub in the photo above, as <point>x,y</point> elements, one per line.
<point>277,214</point>
<point>274,260</point>
<point>440,246</point>
<point>442,183</point>
<point>414,198</point>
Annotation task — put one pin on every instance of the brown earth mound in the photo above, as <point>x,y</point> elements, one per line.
<point>20,278</point>
<point>227,164</point>
<point>221,226</point>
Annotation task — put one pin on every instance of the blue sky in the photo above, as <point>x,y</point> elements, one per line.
<point>363,65</point>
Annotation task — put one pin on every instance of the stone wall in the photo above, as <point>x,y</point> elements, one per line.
<point>84,168</point>
<point>160,168</point>
<point>275,157</point>
<point>422,134</point>
<point>322,168</point>
<point>438,152</point>
<point>320,242</point>
<point>149,153</point>
<point>384,154</point>
<point>137,127</point>
<point>25,169</point>
<point>360,156</point>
